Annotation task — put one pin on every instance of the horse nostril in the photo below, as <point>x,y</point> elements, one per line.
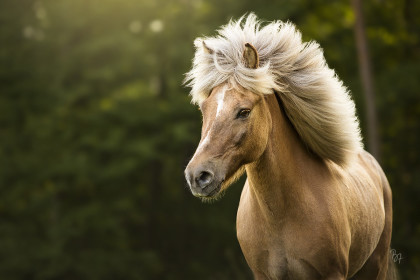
<point>204,179</point>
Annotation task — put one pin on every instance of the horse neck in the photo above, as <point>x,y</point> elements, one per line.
<point>274,179</point>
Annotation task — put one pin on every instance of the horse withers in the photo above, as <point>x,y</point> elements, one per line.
<point>315,204</point>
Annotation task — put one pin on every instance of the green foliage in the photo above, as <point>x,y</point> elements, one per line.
<point>96,130</point>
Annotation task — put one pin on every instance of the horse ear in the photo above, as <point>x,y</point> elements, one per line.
<point>206,48</point>
<point>250,55</point>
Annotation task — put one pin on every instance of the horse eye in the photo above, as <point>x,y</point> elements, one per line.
<point>243,113</point>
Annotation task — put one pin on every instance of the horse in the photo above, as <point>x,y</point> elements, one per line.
<point>315,204</point>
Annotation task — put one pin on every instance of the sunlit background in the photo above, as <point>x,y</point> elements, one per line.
<point>96,130</point>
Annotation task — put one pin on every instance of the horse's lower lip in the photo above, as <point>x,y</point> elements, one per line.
<point>215,191</point>
<point>212,193</point>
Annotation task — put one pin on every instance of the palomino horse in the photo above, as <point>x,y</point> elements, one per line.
<point>315,204</point>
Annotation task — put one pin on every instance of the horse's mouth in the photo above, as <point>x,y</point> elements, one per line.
<point>216,190</point>
<point>212,192</point>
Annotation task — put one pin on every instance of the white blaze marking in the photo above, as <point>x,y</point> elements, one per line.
<point>220,104</point>
<point>220,101</point>
<point>202,144</point>
<point>205,141</point>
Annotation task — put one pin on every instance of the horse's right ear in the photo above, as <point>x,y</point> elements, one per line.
<point>250,56</point>
<point>206,48</point>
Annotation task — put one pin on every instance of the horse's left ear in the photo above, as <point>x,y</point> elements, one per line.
<point>250,55</point>
<point>206,48</point>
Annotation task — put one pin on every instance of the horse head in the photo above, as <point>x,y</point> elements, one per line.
<point>236,125</point>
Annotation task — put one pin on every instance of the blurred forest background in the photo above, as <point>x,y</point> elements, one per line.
<point>96,129</point>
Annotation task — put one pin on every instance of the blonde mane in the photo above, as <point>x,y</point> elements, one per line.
<point>315,100</point>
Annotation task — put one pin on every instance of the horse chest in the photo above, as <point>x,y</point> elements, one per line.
<point>280,251</point>
<point>269,257</point>
<point>263,248</point>
<point>264,258</point>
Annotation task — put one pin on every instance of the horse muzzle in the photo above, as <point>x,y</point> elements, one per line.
<point>203,181</point>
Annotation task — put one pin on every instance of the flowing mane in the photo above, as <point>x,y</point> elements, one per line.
<point>315,100</point>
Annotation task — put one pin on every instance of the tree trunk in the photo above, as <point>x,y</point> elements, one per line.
<point>367,80</point>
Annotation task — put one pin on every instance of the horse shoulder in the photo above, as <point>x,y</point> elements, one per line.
<point>364,187</point>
